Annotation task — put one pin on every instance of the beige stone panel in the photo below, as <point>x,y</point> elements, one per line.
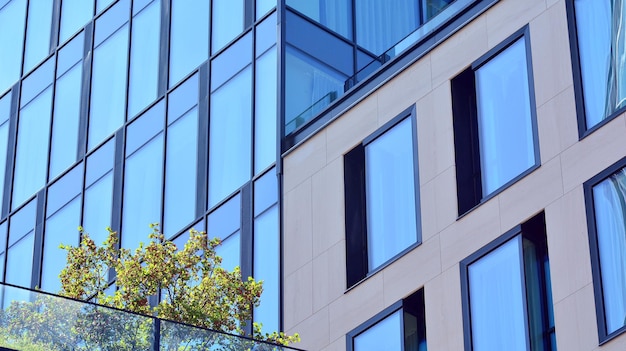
<point>594,153</point>
<point>557,124</point>
<point>328,207</point>
<point>552,2</point>
<point>338,344</point>
<point>459,51</point>
<point>298,233</point>
<point>314,331</point>
<point>531,194</point>
<point>411,271</point>
<point>471,232</point>
<point>508,16</point>
<point>404,90</point>
<point>298,296</point>
<point>351,128</point>
<point>358,305</point>
<point>446,198</point>
<point>435,134</point>
<point>428,210</point>
<point>568,244</point>
<point>617,344</point>
<point>575,321</point>
<point>329,276</point>
<point>444,319</point>
<point>550,49</point>
<point>303,162</point>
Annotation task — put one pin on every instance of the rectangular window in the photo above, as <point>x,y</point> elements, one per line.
<point>402,326</point>
<point>605,196</point>
<point>381,190</point>
<point>599,71</point>
<point>507,302</point>
<point>495,133</point>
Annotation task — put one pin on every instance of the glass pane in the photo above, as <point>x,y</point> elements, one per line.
<point>230,252</point>
<point>384,335</point>
<point>38,33</point>
<point>144,59</point>
<point>64,190</point>
<point>265,191</point>
<point>263,7</point>
<point>610,213</point>
<point>74,15</point>
<point>265,111</point>
<point>4,137</point>
<point>180,173</point>
<point>113,19</point>
<point>390,193</point>
<point>505,131</point>
<point>12,22</point>
<point>21,245</point>
<point>230,137</point>
<point>182,99</point>
<point>228,18</point>
<point>108,87</point>
<point>100,162</point>
<point>61,228</point>
<point>496,289</point>
<point>231,61</point>
<point>31,159</point>
<point>189,37</point>
<point>70,54</point>
<point>336,15</point>
<point>379,26</point>
<point>36,82</point>
<point>226,219</point>
<point>266,33</point>
<point>267,268</point>
<point>145,127</point>
<point>97,208</point>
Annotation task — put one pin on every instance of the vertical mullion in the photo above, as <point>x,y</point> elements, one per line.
<point>38,239</point>
<point>203,140</point>
<point>56,24</point>
<point>11,147</point>
<point>85,95</point>
<point>164,48</point>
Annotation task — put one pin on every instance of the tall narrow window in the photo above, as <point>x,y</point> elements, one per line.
<point>507,299</point>
<point>382,219</point>
<point>606,209</point>
<point>494,123</point>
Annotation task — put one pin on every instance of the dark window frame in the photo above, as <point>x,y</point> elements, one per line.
<point>356,203</point>
<point>603,336</point>
<point>526,230</point>
<point>583,130</point>
<point>465,127</point>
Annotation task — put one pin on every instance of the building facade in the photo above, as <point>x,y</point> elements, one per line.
<point>441,174</point>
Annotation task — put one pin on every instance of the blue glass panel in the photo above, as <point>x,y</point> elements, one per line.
<point>263,7</point>
<point>4,140</point>
<point>74,15</point>
<point>5,107</point>
<point>100,162</point>
<point>180,173</point>
<point>65,189</point>
<point>189,37</point>
<point>226,219</point>
<point>182,99</point>
<point>3,241</point>
<point>230,139</point>
<point>37,82</point>
<point>384,335</point>
<point>144,59</point>
<point>334,14</point>
<point>143,179</point>
<point>265,191</point>
<point>379,26</point>
<point>38,32</point>
<point>390,192</point>
<point>231,61</point>
<point>139,5</point>
<point>431,8</point>
<point>31,158</point>
<point>20,261</point>
<point>265,115</point>
<point>228,18</point>
<point>110,21</point>
<point>12,21</point>
<point>97,208</point>
<point>496,289</point>
<point>230,252</point>
<point>70,54</point>
<point>266,33</point>
<point>61,228</point>
<point>145,127</point>
<point>108,87</point>
<point>22,222</point>
<point>65,124</point>
<point>267,268</point>
<point>505,131</point>
<point>102,4</point>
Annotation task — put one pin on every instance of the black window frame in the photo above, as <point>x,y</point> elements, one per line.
<point>534,230</point>
<point>356,202</point>
<point>596,270</point>
<point>581,118</point>
<point>413,304</point>
<point>465,127</point>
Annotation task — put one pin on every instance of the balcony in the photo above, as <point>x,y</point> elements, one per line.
<point>31,320</point>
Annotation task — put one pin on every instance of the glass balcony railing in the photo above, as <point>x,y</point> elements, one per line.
<point>32,321</point>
